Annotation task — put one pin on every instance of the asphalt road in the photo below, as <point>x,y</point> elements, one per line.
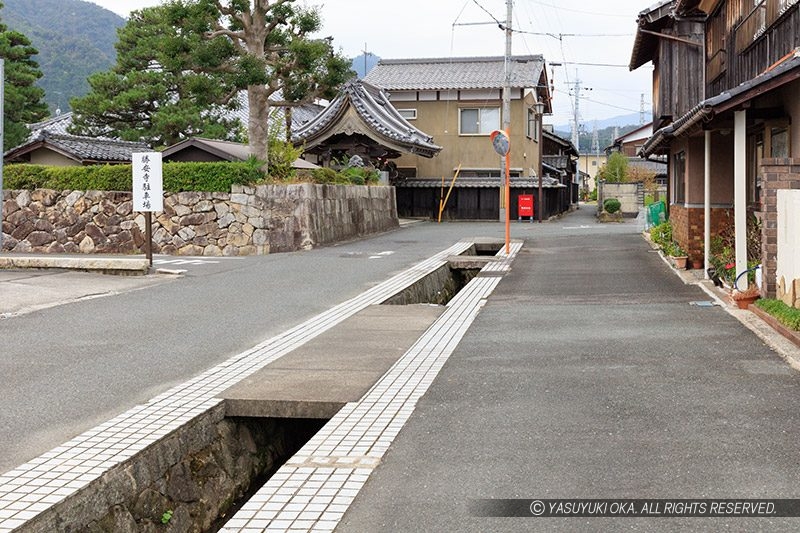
<point>589,375</point>
<point>68,367</point>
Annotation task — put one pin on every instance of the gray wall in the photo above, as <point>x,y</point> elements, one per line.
<point>246,221</point>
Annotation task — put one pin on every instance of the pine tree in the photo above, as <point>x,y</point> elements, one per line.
<point>266,46</point>
<point>24,101</point>
<point>152,94</point>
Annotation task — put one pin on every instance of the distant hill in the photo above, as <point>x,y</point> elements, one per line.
<point>618,121</point>
<point>605,136</point>
<point>361,67</point>
<point>74,39</point>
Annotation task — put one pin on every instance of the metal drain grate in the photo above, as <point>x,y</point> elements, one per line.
<point>704,303</point>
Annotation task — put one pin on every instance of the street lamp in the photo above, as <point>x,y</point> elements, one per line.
<point>538,109</point>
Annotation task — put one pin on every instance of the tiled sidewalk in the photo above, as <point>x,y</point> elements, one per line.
<point>315,487</point>
<point>35,486</point>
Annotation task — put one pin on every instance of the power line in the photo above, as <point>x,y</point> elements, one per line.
<point>595,64</point>
<point>594,13</point>
<point>500,24</point>
<point>611,105</point>
<point>560,36</point>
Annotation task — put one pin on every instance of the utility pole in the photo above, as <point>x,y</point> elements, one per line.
<point>366,53</point>
<point>505,195</point>
<point>577,113</point>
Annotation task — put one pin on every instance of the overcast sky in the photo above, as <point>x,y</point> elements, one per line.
<point>603,35</point>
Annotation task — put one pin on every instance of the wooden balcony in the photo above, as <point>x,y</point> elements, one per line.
<point>752,27</point>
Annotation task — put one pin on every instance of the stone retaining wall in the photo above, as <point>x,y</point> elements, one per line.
<point>246,221</point>
<point>185,482</point>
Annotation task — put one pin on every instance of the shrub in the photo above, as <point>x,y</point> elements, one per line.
<point>611,205</point>
<point>178,177</point>
<point>348,176</point>
<point>661,234</point>
<point>788,316</point>
<point>282,155</point>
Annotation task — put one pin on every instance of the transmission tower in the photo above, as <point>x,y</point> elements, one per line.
<point>641,111</point>
<point>575,90</point>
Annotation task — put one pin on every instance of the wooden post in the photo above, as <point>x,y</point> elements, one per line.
<point>148,236</point>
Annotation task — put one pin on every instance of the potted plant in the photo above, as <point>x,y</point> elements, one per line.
<point>679,257</point>
<point>744,298</point>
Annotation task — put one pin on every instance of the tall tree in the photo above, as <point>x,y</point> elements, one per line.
<point>152,94</point>
<point>272,51</point>
<point>24,102</point>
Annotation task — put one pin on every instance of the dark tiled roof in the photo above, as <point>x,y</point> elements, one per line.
<point>482,183</point>
<point>83,149</point>
<point>373,108</point>
<point>455,73</point>
<point>226,150</point>
<point>57,124</point>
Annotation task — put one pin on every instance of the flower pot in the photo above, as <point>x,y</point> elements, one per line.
<point>697,264</point>
<point>744,303</point>
<point>680,262</point>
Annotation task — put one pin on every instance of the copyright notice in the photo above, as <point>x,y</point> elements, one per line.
<point>610,508</point>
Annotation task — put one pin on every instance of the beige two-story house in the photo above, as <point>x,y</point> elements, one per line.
<point>458,101</point>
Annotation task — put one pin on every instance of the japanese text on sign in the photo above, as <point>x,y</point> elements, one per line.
<point>148,188</point>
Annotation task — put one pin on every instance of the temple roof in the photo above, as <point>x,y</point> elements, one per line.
<point>363,109</point>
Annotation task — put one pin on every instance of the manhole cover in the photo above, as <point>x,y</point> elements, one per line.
<point>703,303</point>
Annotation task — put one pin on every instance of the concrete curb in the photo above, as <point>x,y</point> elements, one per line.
<point>108,265</point>
<point>784,347</point>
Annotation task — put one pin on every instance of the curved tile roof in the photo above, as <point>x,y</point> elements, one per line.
<point>373,108</point>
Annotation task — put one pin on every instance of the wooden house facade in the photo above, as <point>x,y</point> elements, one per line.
<point>738,115</point>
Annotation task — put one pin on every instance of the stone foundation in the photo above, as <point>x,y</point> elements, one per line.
<point>185,482</point>
<point>247,221</point>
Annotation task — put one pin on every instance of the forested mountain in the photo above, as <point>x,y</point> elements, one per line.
<point>74,39</point>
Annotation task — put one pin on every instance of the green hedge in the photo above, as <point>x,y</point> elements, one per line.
<point>788,316</point>
<point>178,177</point>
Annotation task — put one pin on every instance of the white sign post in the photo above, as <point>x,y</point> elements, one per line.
<point>148,192</point>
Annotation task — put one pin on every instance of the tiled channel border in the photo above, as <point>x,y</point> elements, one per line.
<point>313,490</point>
<point>37,485</point>
<point>44,481</point>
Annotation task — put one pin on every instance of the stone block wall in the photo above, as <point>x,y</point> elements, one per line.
<point>195,474</point>
<point>246,221</point>
<point>777,174</point>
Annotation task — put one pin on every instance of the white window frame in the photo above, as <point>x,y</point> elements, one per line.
<point>480,110</point>
<point>410,111</point>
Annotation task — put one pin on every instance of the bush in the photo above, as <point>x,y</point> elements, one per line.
<point>788,316</point>
<point>348,176</point>
<point>178,177</point>
<point>611,205</point>
<point>661,234</point>
<point>282,156</point>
